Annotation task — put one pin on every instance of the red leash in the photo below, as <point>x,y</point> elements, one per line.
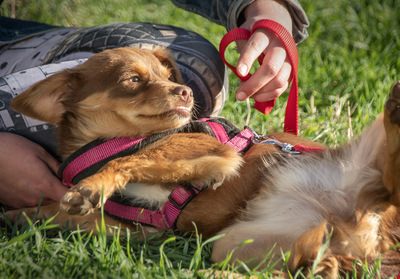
<point>291,115</point>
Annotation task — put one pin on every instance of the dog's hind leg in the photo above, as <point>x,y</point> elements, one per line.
<point>391,176</point>
<point>316,252</point>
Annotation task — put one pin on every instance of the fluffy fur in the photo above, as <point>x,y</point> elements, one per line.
<point>347,197</point>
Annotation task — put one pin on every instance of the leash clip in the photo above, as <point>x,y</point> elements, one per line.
<point>286,147</point>
<point>257,138</point>
<point>289,148</point>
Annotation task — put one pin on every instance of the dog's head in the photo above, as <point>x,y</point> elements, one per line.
<point>122,92</point>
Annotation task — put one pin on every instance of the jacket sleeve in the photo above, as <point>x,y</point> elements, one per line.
<point>227,13</point>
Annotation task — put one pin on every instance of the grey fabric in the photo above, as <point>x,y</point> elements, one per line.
<point>26,54</point>
<point>13,122</point>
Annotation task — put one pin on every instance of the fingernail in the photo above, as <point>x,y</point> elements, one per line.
<point>242,70</point>
<point>241,96</point>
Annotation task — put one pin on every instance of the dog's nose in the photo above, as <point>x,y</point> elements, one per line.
<point>184,92</point>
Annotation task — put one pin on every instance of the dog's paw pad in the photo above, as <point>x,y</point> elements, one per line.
<point>74,202</point>
<point>84,191</point>
<point>95,199</point>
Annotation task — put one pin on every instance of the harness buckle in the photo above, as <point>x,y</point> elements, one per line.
<point>182,195</point>
<point>289,148</point>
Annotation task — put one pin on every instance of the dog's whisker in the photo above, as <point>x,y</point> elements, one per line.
<point>195,110</point>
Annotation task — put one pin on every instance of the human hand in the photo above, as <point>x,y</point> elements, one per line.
<point>27,171</point>
<point>271,79</point>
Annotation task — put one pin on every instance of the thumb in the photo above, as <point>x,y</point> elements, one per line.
<point>58,190</point>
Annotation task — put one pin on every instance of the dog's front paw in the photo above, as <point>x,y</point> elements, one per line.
<point>81,199</point>
<point>218,169</point>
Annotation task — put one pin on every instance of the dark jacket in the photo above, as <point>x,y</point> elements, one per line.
<point>228,12</point>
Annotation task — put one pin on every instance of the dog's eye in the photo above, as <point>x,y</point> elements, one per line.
<point>172,78</point>
<point>135,79</point>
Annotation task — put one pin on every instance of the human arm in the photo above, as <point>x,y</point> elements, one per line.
<point>230,13</point>
<point>27,171</point>
<point>272,78</point>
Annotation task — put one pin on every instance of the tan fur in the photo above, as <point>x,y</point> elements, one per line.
<point>346,198</point>
<point>126,92</point>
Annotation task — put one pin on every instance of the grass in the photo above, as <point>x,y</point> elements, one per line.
<point>347,67</point>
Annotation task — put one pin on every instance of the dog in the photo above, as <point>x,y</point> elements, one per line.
<point>146,87</point>
<point>343,202</point>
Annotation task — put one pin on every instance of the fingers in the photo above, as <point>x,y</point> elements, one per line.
<point>271,79</point>
<point>54,190</point>
<point>50,161</point>
<point>251,50</point>
<point>27,172</point>
<point>276,86</point>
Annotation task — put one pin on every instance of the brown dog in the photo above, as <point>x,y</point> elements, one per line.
<point>347,197</point>
<point>125,92</point>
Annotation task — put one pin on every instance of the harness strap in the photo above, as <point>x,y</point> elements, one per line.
<point>240,142</point>
<point>218,130</point>
<point>164,218</point>
<point>95,155</point>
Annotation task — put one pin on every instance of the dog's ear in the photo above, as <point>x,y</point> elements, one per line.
<point>43,100</point>
<point>168,61</point>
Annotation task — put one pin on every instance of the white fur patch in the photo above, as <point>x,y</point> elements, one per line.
<point>153,194</point>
